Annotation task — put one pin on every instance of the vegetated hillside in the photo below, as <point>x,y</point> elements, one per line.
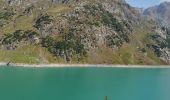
<point>161,15</point>
<point>79,31</point>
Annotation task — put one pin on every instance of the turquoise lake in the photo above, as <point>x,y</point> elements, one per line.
<point>84,84</point>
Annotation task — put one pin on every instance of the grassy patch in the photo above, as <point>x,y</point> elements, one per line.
<point>59,9</point>
<point>28,54</point>
<point>21,23</point>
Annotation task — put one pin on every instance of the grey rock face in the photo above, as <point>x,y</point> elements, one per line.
<point>165,55</point>
<point>160,13</point>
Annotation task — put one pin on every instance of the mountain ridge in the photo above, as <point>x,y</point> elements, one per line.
<point>159,13</point>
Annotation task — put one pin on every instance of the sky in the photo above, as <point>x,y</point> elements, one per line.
<point>145,3</point>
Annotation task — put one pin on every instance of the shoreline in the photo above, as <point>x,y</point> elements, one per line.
<point>81,65</point>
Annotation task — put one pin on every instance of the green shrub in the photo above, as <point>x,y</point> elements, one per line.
<point>44,19</point>
<point>8,39</point>
<point>168,42</point>
<point>18,36</point>
<point>6,15</point>
<point>69,42</point>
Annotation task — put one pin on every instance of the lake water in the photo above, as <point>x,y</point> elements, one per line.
<point>84,84</point>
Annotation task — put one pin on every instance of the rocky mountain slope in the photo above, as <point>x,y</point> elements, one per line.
<point>79,31</point>
<point>161,13</point>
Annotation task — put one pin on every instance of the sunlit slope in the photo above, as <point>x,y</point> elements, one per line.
<point>88,31</point>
